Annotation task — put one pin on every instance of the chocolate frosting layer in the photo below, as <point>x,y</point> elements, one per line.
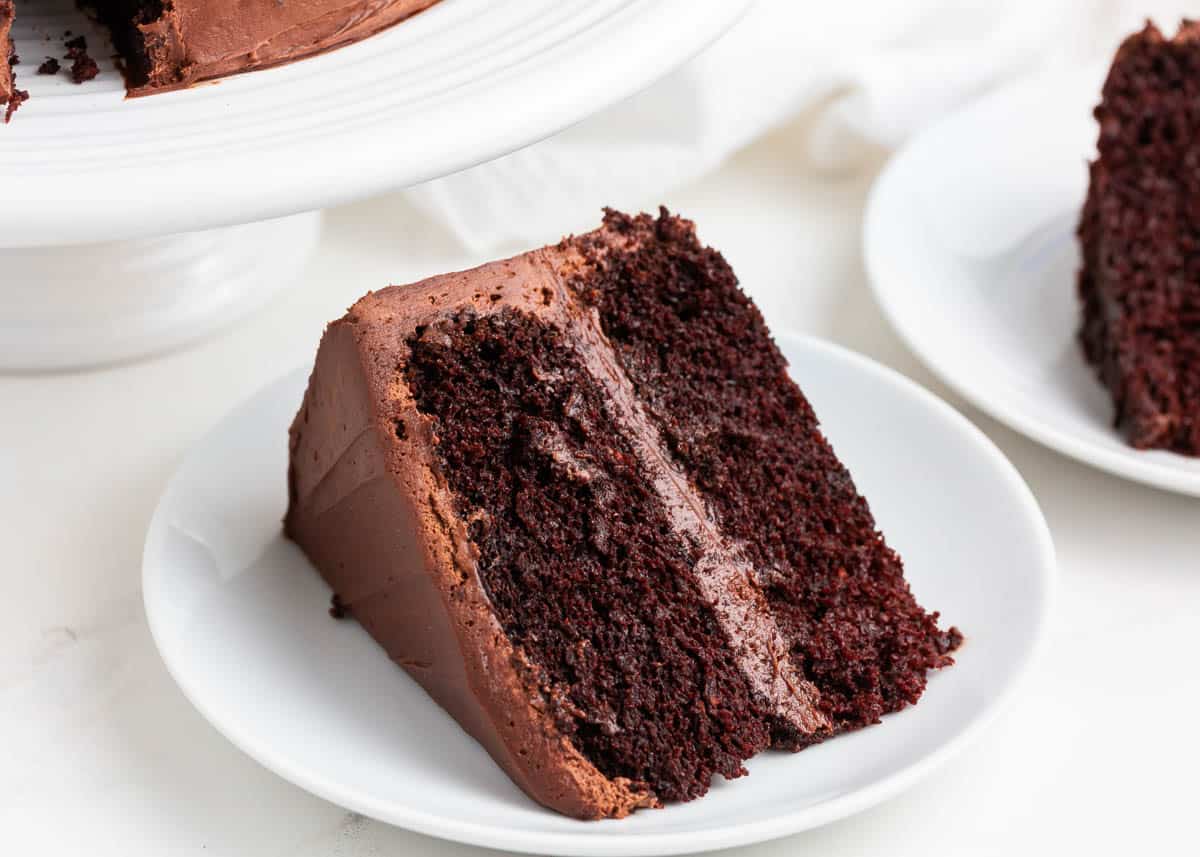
<point>198,40</point>
<point>371,509</point>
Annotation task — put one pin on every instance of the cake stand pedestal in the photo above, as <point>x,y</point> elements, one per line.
<point>88,177</point>
<point>81,305</point>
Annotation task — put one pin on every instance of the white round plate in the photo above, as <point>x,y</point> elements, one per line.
<point>970,247</point>
<point>458,84</point>
<point>241,621</point>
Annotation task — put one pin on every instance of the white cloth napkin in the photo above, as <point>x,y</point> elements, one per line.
<point>873,73</point>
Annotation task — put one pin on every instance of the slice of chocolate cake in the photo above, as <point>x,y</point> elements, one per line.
<point>576,495</point>
<point>1140,236</point>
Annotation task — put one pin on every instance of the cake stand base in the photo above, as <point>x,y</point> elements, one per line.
<point>85,305</point>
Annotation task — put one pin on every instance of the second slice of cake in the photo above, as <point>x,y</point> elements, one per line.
<point>1139,233</point>
<point>577,497</point>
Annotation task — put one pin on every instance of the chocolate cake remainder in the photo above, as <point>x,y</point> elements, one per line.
<point>172,45</point>
<point>1140,236</point>
<point>576,495</point>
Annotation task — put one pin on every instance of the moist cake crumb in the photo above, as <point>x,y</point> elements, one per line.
<point>83,67</point>
<point>337,609</point>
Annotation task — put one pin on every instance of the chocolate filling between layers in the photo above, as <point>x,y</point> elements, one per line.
<point>704,366</point>
<point>580,562</point>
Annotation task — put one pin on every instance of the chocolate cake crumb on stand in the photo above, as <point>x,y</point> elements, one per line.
<point>1139,285</point>
<point>576,495</point>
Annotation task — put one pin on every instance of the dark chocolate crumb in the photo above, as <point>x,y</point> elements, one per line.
<point>18,97</point>
<point>337,609</point>
<point>83,69</point>
<point>50,66</point>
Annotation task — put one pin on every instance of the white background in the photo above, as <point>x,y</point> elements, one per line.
<point>100,754</point>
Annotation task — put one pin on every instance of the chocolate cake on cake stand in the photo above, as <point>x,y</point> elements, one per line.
<point>129,226</point>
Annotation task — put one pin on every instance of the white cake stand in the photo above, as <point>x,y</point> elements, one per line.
<point>128,226</point>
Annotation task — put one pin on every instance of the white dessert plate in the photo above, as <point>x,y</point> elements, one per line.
<point>456,85</point>
<point>970,248</point>
<point>241,621</point>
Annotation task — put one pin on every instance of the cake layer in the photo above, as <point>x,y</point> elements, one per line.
<point>172,45</point>
<point>703,362</point>
<point>1139,284</point>
<point>579,558</point>
<point>372,510</point>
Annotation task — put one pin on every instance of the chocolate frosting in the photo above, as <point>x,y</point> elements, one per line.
<point>371,509</point>
<point>198,40</point>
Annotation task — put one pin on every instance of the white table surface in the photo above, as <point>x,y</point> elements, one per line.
<point>100,753</point>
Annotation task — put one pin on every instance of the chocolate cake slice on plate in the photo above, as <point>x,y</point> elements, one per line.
<point>1140,236</point>
<point>576,495</point>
